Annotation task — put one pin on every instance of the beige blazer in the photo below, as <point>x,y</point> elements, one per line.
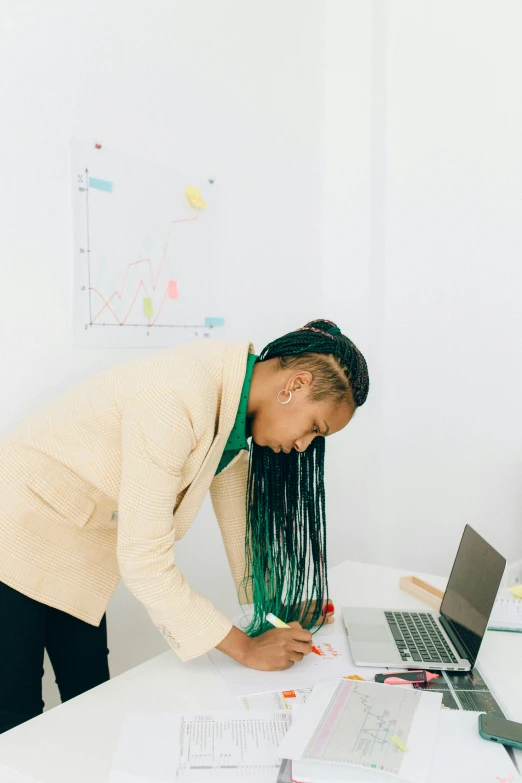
<point>101,483</point>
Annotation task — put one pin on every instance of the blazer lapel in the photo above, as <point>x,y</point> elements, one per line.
<point>234,368</point>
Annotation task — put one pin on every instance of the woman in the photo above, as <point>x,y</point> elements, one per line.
<point>101,483</point>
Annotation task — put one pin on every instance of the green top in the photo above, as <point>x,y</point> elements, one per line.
<point>237,440</point>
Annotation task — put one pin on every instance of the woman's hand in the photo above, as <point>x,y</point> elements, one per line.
<point>329,613</point>
<point>279,648</point>
<point>274,650</point>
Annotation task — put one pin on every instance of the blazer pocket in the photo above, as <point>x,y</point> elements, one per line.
<point>57,489</point>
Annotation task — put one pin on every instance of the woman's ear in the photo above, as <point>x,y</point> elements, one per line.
<point>301,379</point>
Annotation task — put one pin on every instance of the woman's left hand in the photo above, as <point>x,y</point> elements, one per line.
<point>328,610</point>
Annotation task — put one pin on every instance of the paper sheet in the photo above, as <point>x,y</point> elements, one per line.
<point>346,722</point>
<point>312,772</point>
<point>463,756</point>
<point>8,775</point>
<point>279,700</point>
<point>291,698</point>
<point>460,756</point>
<point>220,746</point>
<point>335,661</point>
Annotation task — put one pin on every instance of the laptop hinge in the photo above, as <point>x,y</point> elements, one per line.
<point>455,639</point>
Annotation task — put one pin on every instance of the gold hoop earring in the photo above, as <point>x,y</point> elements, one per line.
<point>288,400</point>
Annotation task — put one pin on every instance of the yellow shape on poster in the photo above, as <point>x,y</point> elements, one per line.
<point>195,197</point>
<point>147,307</point>
<point>516,590</point>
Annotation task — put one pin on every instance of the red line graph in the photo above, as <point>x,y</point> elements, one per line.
<point>141,285</point>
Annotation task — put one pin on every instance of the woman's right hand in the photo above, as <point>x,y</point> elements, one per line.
<point>278,648</point>
<point>274,650</point>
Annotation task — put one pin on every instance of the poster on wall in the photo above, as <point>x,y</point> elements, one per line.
<point>147,266</point>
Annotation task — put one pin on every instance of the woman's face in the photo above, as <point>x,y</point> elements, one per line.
<point>296,424</point>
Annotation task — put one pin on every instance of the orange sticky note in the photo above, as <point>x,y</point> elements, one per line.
<point>195,197</point>
<point>147,307</point>
<point>172,290</point>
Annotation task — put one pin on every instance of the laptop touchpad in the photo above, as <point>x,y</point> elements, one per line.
<point>361,632</point>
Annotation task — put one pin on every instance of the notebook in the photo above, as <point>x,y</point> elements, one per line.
<point>507,613</point>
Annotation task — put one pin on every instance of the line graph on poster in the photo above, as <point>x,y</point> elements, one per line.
<point>147,262</point>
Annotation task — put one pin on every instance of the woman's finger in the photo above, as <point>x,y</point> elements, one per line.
<point>304,648</point>
<point>328,608</point>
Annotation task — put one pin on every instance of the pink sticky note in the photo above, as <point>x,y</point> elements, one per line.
<point>173,290</point>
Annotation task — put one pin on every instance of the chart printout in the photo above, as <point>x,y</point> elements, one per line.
<point>358,724</point>
<point>148,269</point>
<point>376,727</point>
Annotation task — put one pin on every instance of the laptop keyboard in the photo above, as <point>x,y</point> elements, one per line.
<point>417,636</point>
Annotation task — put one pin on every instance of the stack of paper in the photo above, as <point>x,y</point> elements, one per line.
<point>347,731</point>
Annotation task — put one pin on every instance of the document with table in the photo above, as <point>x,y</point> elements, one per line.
<point>198,747</point>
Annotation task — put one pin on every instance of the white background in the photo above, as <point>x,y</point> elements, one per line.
<point>370,163</point>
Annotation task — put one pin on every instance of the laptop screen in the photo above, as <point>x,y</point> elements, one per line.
<point>472,589</point>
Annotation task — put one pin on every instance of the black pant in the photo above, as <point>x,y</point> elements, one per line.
<point>78,652</point>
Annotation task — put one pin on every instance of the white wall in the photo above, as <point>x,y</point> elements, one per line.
<point>370,159</point>
<point>422,240</point>
<point>228,89</point>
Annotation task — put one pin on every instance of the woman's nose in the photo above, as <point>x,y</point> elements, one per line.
<point>303,443</point>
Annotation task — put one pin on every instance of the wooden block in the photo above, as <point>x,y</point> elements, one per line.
<point>422,590</point>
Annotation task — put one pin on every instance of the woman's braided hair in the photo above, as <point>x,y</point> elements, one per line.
<point>310,345</point>
<point>285,547</point>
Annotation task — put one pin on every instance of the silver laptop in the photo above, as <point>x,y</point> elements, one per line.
<point>450,639</point>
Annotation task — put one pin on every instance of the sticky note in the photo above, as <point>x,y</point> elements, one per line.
<point>516,590</point>
<point>400,744</point>
<point>100,184</point>
<point>195,197</point>
<point>147,307</point>
<point>214,321</point>
<point>172,290</point>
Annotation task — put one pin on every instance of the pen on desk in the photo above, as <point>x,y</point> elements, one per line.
<point>277,623</point>
<point>399,678</point>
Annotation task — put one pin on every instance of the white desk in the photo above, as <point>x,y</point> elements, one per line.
<point>76,741</point>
